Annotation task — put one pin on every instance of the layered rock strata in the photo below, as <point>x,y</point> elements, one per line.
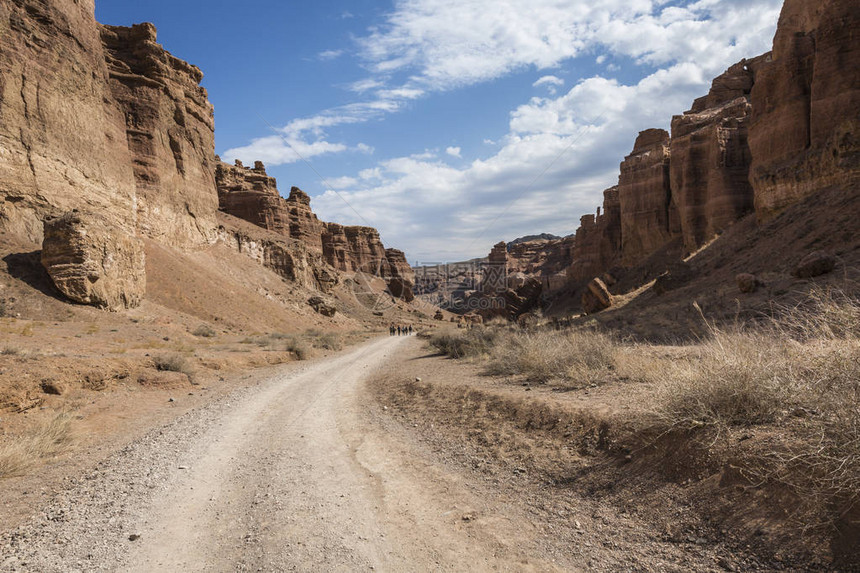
<point>710,156</point>
<point>93,263</point>
<point>250,194</point>
<point>170,130</point>
<point>805,128</point>
<point>648,216</point>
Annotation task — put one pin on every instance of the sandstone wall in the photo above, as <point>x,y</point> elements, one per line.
<point>804,129</point>
<point>251,195</point>
<point>62,135</point>
<point>597,246</point>
<point>170,129</point>
<point>648,217</point>
<point>710,156</point>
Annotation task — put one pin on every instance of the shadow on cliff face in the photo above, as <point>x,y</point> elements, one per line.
<point>27,268</point>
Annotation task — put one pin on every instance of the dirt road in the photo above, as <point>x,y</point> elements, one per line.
<point>292,475</point>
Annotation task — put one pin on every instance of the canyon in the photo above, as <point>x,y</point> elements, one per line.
<point>774,131</point>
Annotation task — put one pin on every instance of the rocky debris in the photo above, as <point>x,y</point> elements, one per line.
<point>678,275</point>
<point>804,130</point>
<point>439,315</point>
<point>170,133</point>
<point>747,283</point>
<point>711,156</point>
<point>320,305</point>
<point>596,297</point>
<point>649,218</point>
<point>815,264</point>
<point>92,263</point>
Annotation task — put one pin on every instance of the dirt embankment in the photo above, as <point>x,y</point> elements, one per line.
<point>699,490</point>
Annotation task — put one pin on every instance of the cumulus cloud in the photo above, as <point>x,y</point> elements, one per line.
<point>560,151</point>
<point>453,151</point>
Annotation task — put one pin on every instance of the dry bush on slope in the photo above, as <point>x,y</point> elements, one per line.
<point>49,439</point>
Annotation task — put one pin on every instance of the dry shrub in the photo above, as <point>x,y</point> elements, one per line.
<point>173,363</point>
<point>329,341</point>
<point>204,331</point>
<point>300,348</point>
<point>735,378</point>
<point>45,441</point>
<point>577,356</point>
<point>805,364</point>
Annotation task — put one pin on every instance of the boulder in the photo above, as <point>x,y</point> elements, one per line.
<point>596,297</point>
<point>321,306</point>
<point>815,264</point>
<point>92,263</point>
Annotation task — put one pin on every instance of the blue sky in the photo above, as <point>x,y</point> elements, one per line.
<point>450,124</point>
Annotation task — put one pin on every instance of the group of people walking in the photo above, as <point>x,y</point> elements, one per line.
<point>398,330</point>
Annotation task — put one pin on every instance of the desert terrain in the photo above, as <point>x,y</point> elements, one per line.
<point>198,373</point>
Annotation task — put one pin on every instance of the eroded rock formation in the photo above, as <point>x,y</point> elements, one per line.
<point>250,194</point>
<point>93,263</point>
<point>170,129</point>
<point>648,216</point>
<point>805,130</point>
<point>597,246</point>
<point>62,134</point>
<point>710,156</point>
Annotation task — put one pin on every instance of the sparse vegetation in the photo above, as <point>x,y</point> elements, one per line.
<point>466,344</point>
<point>10,351</point>
<point>328,341</point>
<point>173,363</point>
<point>204,331</point>
<point>798,371</point>
<point>47,440</point>
<point>299,348</point>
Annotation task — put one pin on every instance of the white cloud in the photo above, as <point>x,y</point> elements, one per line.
<point>552,83</point>
<point>578,136</point>
<point>453,152</point>
<point>330,54</point>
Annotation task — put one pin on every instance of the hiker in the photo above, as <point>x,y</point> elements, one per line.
<point>410,330</point>
<point>391,330</point>
<point>399,330</point>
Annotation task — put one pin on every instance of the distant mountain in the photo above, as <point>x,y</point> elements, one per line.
<point>530,238</point>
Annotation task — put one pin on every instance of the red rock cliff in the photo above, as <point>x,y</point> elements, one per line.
<point>805,121</point>
<point>62,134</point>
<point>170,130</point>
<point>648,217</point>
<point>710,156</point>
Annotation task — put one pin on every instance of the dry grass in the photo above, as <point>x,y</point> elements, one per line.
<point>173,363</point>
<point>797,373</point>
<point>541,356</point>
<point>49,439</point>
<point>204,331</point>
<point>581,357</point>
